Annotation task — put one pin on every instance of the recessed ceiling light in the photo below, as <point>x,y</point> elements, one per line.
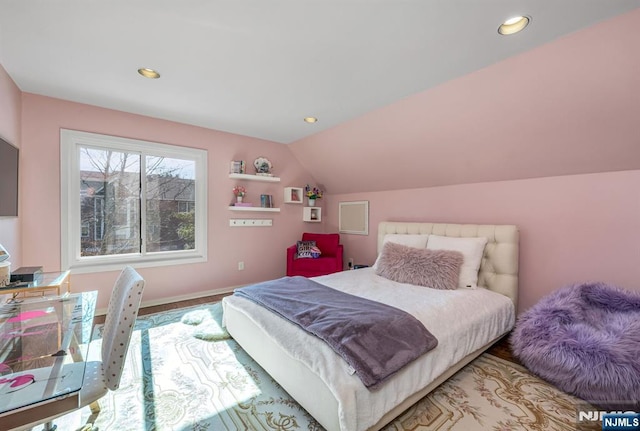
<point>310,119</point>
<point>514,25</point>
<point>148,73</point>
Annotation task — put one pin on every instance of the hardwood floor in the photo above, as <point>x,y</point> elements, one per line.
<point>172,306</point>
<point>502,349</point>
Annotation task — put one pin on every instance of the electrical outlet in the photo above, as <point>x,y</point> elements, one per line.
<point>350,264</point>
<point>240,266</point>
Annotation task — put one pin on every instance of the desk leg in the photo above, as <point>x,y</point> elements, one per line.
<point>67,283</point>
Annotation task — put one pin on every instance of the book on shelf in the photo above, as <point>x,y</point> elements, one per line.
<point>266,201</point>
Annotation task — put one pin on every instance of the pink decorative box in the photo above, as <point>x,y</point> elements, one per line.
<point>243,204</point>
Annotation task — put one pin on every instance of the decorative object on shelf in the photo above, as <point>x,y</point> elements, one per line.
<point>239,192</point>
<point>237,167</point>
<point>312,194</point>
<point>263,166</point>
<point>266,201</point>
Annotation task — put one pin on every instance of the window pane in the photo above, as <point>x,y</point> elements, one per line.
<point>170,204</point>
<point>109,202</point>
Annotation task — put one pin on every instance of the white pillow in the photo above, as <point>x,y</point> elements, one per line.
<point>472,250</point>
<point>410,240</point>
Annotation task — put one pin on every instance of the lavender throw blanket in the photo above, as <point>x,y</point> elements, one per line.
<point>375,339</point>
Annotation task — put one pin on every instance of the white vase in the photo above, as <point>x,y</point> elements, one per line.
<point>239,199</point>
<point>312,202</point>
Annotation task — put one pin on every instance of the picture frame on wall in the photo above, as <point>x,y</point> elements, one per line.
<point>353,217</point>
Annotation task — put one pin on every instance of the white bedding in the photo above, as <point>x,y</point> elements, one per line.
<point>462,320</point>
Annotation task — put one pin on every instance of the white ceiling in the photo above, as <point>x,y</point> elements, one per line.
<point>258,67</point>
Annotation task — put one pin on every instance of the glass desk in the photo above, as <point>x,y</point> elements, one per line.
<point>44,282</point>
<point>43,346</point>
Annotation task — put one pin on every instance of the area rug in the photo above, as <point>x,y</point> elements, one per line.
<point>177,379</point>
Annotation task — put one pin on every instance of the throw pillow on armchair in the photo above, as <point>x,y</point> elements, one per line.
<point>305,249</point>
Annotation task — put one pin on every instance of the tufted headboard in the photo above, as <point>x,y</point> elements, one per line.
<point>499,266</point>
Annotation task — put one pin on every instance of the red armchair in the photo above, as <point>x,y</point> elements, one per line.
<point>330,260</point>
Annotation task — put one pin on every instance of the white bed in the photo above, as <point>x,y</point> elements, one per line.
<point>465,322</point>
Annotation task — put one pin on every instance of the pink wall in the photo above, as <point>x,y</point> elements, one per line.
<point>10,106</point>
<point>572,228</point>
<point>567,107</point>
<point>262,249</point>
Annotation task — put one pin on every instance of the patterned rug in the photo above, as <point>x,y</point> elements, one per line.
<point>193,377</point>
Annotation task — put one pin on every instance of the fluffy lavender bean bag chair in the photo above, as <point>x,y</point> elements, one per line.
<point>585,339</point>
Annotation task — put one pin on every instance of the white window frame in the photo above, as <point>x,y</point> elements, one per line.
<point>70,143</point>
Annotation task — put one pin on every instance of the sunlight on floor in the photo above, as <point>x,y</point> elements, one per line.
<point>172,380</point>
<point>210,367</point>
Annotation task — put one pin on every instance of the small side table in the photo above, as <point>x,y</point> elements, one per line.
<point>43,283</point>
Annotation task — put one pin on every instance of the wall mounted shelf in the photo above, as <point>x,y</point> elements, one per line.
<point>255,209</point>
<point>249,177</point>
<point>293,195</point>
<point>312,214</point>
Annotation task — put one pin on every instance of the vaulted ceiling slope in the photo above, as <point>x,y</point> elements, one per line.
<point>258,67</point>
<point>567,107</point>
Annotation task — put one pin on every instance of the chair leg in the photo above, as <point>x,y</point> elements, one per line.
<point>95,407</point>
<point>95,411</point>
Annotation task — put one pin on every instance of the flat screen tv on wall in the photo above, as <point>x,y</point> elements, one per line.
<point>8,179</point>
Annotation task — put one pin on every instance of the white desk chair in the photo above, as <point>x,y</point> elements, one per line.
<point>102,376</point>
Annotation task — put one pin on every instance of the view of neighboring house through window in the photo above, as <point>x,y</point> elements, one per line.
<point>110,187</point>
<point>170,204</point>
<point>131,201</point>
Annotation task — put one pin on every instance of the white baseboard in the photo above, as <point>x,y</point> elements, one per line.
<point>168,300</point>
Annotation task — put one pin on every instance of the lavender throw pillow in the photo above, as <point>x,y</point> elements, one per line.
<point>438,269</point>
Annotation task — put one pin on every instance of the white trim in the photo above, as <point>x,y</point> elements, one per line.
<point>186,297</point>
<point>70,140</point>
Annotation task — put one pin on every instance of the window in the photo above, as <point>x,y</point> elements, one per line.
<point>126,201</point>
